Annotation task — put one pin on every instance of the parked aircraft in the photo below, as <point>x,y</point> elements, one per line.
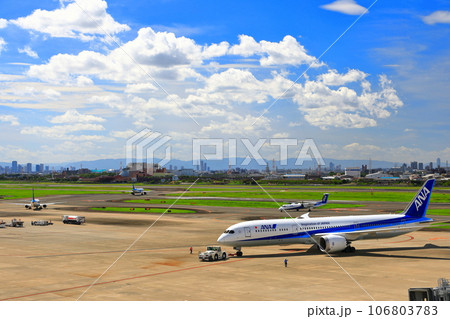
<point>305,204</point>
<point>35,203</point>
<point>138,191</point>
<point>330,234</point>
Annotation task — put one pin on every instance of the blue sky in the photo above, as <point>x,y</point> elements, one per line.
<point>79,78</point>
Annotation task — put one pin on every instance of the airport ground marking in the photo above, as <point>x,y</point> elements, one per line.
<point>301,227</point>
<point>135,241</point>
<point>402,241</point>
<point>128,278</point>
<point>144,276</point>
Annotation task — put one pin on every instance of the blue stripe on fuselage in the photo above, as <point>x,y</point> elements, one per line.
<point>347,228</point>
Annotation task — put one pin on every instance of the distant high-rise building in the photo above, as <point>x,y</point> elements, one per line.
<point>438,162</point>
<point>14,167</point>
<point>331,166</point>
<point>420,166</point>
<point>37,168</point>
<point>404,166</point>
<point>431,165</point>
<point>414,165</point>
<point>364,168</point>
<point>29,168</point>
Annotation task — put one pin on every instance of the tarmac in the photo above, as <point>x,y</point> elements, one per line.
<point>145,256</point>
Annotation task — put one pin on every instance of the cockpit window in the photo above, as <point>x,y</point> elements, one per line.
<point>229,231</point>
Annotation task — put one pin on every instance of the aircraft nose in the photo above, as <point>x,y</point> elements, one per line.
<point>221,238</point>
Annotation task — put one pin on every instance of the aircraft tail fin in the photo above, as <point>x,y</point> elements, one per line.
<point>325,198</point>
<point>417,208</point>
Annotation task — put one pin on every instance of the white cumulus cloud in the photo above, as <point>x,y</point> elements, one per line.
<point>28,51</point>
<point>82,19</point>
<point>440,16</point>
<point>2,45</point>
<point>286,52</point>
<point>3,23</point>
<point>9,118</point>
<point>327,107</point>
<point>74,117</point>
<point>345,6</point>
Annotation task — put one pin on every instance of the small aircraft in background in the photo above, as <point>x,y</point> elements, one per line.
<point>35,204</point>
<point>138,191</point>
<point>305,204</point>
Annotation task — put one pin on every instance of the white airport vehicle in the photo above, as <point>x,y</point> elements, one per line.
<point>67,219</point>
<point>138,191</point>
<point>41,223</point>
<point>2,224</point>
<point>212,253</point>
<point>305,204</point>
<point>330,234</point>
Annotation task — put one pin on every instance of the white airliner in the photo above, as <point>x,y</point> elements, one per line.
<point>305,204</point>
<point>35,204</point>
<point>330,234</point>
<point>138,191</point>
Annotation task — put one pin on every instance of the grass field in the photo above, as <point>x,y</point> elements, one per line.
<point>13,190</point>
<point>440,226</point>
<point>11,193</point>
<point>435,211</point>
<point>144,210</point>
<point>384,196</point>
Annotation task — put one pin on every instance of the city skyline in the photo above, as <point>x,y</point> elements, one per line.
<point>330,165</point>
<point>364,79</point>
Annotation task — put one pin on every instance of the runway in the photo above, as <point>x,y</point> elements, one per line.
<point>63,262</point>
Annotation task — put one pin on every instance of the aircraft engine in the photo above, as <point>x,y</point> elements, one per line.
<point>332,243</point>
<point>45,206</point>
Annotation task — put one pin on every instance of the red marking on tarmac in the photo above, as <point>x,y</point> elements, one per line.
<point>123,279</point>
<point>437,238</point>
<point>401,241</point>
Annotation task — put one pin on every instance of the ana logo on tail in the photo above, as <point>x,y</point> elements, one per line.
<point>421,197</point>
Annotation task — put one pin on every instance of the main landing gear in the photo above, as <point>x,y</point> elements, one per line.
<point>349,249</point>
<point>238,251</point>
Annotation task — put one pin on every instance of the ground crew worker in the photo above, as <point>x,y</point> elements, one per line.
<point>190,249</point>
<point>285,262</point>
